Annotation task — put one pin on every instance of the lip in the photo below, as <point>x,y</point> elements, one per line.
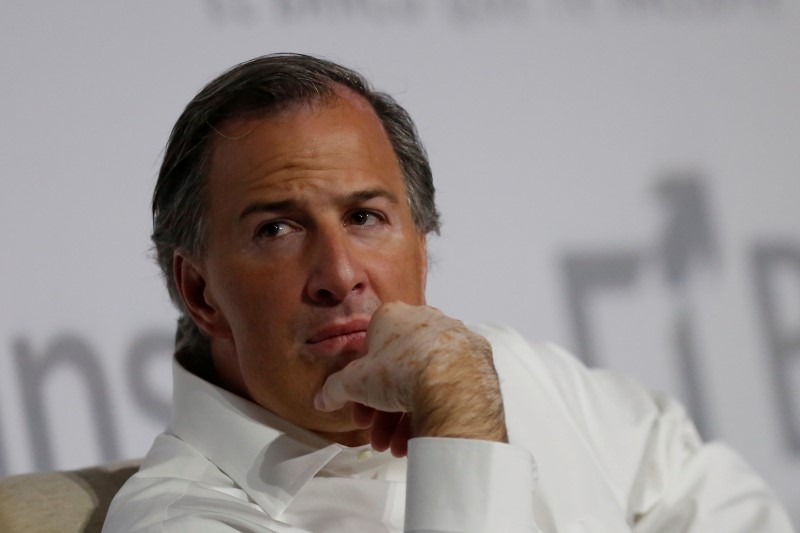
<point>338,337</point>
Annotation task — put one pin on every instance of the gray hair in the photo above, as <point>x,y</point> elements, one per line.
<point>262,86</point>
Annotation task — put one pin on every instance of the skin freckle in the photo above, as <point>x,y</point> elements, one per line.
<point>389,340</point>
<point>408,353</point>
<point>413,363</point>
<point>385,378</point>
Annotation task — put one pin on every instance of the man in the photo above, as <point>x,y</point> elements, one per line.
<point>290,220</point>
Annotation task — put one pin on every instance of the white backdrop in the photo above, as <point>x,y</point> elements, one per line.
<point>619,176</point>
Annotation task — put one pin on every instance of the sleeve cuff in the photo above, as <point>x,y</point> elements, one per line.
<point>469,485</point>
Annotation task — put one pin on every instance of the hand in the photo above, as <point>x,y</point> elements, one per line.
<point>424,374</point>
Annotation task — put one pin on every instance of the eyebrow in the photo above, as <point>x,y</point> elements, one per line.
<point>284,205</point>
<point>369,194</point>
<point>260,207</point>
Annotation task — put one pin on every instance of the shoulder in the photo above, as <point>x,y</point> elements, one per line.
<point>566,377</point>
<point>613,417</point>
<point>176,486</point>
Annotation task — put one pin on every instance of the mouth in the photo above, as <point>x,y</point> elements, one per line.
<point>339,337</point>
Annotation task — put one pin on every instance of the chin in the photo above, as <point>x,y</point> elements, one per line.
<point>338,426</point>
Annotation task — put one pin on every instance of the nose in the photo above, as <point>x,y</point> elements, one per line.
<point>336,271</point>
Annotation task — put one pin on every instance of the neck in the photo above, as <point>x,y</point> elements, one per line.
<point>354,438</point>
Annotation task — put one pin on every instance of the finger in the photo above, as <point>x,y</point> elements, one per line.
<point>402,433</point>
<point>363,416</point>
<point>383,428</point>
<point>348,384</point>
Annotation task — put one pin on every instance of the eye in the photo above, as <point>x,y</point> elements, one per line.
<point>364,218</point>
<point>273,229</point>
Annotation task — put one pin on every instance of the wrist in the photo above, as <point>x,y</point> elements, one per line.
<point>460,397</point>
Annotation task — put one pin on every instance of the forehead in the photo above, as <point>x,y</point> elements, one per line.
<point>339,133</point>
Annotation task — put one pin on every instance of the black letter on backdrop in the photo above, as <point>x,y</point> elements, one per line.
<point>148,347</point>
<point>64,350</point>
<point>3,465</point>
<point>783,339</point>
<point>686,243</point>
<point>586,274</point>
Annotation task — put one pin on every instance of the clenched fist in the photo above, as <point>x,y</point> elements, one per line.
<point>424,375</point>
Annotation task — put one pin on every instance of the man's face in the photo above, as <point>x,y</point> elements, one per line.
<point>309,232</point>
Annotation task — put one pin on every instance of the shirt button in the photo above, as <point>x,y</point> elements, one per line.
<point>363,455</point>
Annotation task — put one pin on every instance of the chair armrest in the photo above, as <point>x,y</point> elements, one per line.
<point>66,501</point>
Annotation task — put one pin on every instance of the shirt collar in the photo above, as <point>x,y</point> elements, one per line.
<point>270,458</point>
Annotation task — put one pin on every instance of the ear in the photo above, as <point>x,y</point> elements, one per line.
<point>197,298</point>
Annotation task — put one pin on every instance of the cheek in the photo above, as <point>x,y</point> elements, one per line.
<point>404,280</point>
<point>260,300</point>
<point>284,386</point>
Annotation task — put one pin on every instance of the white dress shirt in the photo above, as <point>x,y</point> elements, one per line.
<point>589,452</point>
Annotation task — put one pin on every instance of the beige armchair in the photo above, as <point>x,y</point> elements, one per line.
<point>71,502</point>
